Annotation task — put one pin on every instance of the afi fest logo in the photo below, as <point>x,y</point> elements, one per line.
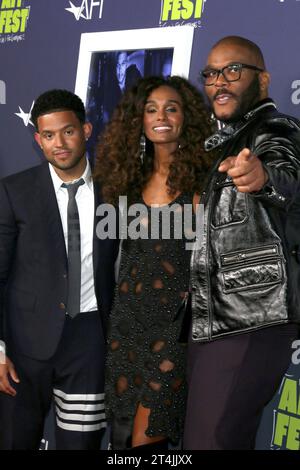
<point>87,10</point>
<point>286,425</point>
<point>181,12</point>
<point>13,20</point>
<point>26,117</point>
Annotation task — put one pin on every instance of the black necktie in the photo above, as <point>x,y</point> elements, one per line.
<point>74,257</point>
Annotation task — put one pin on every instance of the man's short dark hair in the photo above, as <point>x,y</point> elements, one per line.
<point>57,100</point>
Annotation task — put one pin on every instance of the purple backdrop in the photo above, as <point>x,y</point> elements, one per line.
<point>39,50</point>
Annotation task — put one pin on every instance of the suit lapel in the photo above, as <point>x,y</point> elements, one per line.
<point>96,251</point>
<point>46,198</point>
<point>48,208</point>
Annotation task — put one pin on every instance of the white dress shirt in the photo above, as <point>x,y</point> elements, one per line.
<point>86,209</point>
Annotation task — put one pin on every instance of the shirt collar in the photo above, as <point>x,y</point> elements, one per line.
<point>87,177</point>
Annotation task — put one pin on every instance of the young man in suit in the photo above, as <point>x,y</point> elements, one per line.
<point>56,285</point>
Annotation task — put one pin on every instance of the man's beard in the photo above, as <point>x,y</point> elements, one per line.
<point>246,101</point>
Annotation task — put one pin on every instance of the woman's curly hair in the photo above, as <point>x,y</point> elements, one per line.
<point>118,165</point>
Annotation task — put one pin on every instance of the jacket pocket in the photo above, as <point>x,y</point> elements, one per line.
<point>231,207</point>
<point>251,268</point>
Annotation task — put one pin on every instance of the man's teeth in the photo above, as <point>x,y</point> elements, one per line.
<point>222,98</point>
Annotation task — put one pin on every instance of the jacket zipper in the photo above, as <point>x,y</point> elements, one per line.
<point>209,303</point>
<point>250,255</point>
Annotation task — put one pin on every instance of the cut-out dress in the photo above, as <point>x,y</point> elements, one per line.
<point>146,363</point>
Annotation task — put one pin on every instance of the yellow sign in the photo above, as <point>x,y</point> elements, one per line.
<point>181,10</point>
<point>13,16</point>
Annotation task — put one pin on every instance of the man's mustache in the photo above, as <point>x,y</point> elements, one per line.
<point>223,91</point>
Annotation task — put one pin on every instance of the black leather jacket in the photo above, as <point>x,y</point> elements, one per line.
<point>246,274</point>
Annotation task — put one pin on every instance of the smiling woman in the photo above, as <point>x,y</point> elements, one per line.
<point>118,166</point>
<point>163,117</point>
<point>152,152</point>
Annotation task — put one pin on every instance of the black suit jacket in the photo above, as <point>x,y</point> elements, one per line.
<point>33,264</point>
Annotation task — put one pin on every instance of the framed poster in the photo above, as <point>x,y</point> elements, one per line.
<point>111,62</point>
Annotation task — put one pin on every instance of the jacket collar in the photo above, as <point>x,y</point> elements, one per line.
<point>266,103</point>
<point>227,131</point>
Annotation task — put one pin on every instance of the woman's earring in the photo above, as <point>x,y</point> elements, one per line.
<point>142,148</point>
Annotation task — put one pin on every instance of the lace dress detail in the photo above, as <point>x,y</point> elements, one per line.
<point>146,363</point>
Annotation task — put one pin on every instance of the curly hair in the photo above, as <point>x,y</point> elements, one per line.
<point>57,100</point>
<point>118,166</point>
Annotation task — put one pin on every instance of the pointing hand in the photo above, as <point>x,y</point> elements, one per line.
<point>246,171</point>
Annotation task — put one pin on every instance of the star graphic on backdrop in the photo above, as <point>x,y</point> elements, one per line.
<point>25,116</point>
<point>77,11</point>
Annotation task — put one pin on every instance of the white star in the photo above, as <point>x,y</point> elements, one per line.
<point>25,116</point>
<point>77,11</point>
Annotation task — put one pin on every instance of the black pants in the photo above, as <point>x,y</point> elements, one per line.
<point>230,382</point>
<point>74,377</point>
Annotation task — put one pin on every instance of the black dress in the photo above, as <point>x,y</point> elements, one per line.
<point>146,363</point>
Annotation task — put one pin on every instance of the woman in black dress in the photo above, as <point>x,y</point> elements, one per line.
<point>152,152</point>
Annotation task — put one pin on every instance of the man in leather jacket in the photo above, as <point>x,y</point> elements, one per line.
<point>245,277</point>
